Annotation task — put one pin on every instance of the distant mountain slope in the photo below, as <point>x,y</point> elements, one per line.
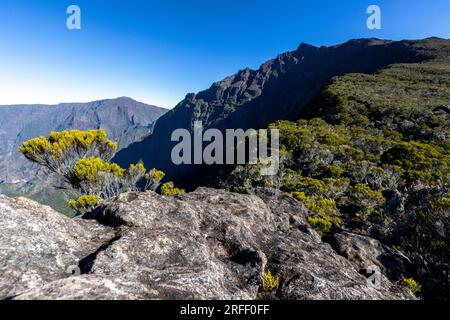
<point>279,89</point>
<point>124,119</point>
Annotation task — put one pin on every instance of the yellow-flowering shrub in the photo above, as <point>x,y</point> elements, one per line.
<point>154,178</point>
<point>82,158</point>
<point>133,174</point>
<point>37,149</point>
<point>62,150</point>
<point>269,281</point>
<point>88,169</point>
<point>84,203</point>
<point>325,211</point>
<point>168,189</point>
<point>106,179</point>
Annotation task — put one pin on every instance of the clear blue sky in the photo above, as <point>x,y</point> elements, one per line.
<point>156,51</point>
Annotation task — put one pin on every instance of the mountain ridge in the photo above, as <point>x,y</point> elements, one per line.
<point>125,120</point>
<point>279,89</point>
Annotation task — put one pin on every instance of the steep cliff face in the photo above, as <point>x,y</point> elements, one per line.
<point>279,89</point>
<point>208,244</point>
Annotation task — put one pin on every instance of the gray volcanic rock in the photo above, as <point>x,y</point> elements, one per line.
<point>208,244</point>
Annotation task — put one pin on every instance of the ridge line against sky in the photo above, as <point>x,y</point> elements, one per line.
<point>156,52</point>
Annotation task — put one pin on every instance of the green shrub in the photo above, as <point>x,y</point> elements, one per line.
<point>239,189</point>
<point>334,171</point>
<point>325,210</point>
<point>305,184</point>
<point>168,189</point>
<point>443,203</point>
<point>321,225</point>
<point>335,188</point>
<point>365,198</point>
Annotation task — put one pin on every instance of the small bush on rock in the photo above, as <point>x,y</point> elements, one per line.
<point>269,281</point>
<point>84,203</point>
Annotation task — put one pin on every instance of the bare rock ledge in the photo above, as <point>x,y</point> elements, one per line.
<point>208,244</point>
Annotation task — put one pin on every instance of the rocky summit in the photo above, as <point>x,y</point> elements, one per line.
<point>208,244</point>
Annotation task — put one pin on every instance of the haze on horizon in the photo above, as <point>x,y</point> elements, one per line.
<point>156,52</point>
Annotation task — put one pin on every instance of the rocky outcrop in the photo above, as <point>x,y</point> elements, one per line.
<point>208,244</point>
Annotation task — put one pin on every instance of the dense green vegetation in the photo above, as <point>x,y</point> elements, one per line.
<point>371,154</point>
<point>412,285</point>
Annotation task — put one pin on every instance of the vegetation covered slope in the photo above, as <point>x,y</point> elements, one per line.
<point>125,120</point>
<point>371,154</point>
